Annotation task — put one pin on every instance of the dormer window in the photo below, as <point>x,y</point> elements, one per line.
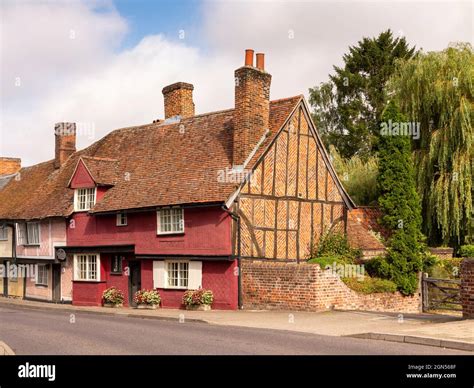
<point>84,199</point>
<point>170,220</point>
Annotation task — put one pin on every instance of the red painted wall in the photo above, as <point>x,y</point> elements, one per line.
<point>218,276</point>
<point>207,231</point>
<point>81,178</point>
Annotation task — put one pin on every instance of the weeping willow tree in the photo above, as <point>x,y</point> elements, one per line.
<point>436,90</point>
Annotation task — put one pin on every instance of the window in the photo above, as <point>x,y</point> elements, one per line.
<point>170,221</point>
<point>177,274</point>
<point>116,267</point>
<point>86,267</point>
<point>42,275</point>
<point>28,233</point>
<point>84,199</point>
<point>122,219</point>
<point>3,233</point>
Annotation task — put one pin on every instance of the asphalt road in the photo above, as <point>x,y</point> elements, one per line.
<point>35,332</point>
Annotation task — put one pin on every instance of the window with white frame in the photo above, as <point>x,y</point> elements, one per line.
<point>87,267</point>
<point>84,199</point>
<point>170,220</point>
<point>177,273</point>
<point>42,275</point>
<point>3,233</point>
<point>122,219</point>
<point>28,233</point>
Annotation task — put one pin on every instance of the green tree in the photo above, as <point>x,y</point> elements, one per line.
<point>358,176</point>
<point>400,204</point>
<point>436,90</point>
<point>349,106</point>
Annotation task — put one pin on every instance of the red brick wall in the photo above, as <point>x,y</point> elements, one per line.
<point>467,288</point>
<point>291,286</point>
<point>442,253</point>
<point>88,293</point>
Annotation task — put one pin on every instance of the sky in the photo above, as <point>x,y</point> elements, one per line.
<point>103,63</point>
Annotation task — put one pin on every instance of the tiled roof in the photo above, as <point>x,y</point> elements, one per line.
<point>151,165</point>
<point>104,171</point>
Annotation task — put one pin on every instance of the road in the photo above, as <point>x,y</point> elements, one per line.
<point>36,332</point>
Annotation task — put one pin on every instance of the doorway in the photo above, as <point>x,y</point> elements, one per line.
<point>56,268</point>
<point>135,281</point>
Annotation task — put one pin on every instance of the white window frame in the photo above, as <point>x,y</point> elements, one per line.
<point>78,207</point>
<point>41,282</point>
<point>77,270</point>
<point>3,233</point>
<point>38,234</point>
<point>23,236</point>
<point>163,213</point>
<point>179,263</point>
<point>122,219</point>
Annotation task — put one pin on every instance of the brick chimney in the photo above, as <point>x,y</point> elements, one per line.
<point>178,100</point>
<point>9,166</point>
<point>65,137</point>
<point>252,107</point>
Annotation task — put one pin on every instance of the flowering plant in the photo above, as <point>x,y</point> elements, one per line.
<point>198,297</point>
<point>148,297</point>
<point>112,295</point>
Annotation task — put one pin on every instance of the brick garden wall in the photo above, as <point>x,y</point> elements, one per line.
<point>467,288</point>
<point>291,286</point>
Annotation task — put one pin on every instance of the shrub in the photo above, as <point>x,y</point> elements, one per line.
<point>467,251</point>
<point>328,260</point>
<point>198,297</point>
<point>112,295</point>
<point>148,297</point>
<point>335,244</point>
<point>369,285</point>
<point>429,261</point>
<point>446,268</point>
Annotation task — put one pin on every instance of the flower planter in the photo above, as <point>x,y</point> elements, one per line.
<point>147,306</point>
<point>198,307</point>
<point>112,305</point>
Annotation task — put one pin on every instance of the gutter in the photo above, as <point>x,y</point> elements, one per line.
<point>236,218</point>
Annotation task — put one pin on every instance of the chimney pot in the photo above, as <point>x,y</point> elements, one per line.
<point>249,57</point>
<point>261,61</point>
<point>65,142</point>
<point>178,100</point>
<point>252,109</point>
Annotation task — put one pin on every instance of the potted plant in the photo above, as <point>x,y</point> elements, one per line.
<point>112,297</point>
<point>147,299</point>
<point>198,299</point>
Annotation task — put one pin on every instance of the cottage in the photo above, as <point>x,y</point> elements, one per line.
<point>180,203</point>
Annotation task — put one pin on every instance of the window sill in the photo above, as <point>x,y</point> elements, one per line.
<point>88,281</point>
<point>41,285</point>
<point>175,288</point>
<point>169,233</point>
<point>116,273</point>
<point>118,226</point>
<point>31,245</point>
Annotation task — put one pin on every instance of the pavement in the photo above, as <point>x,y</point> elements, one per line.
<point>436,330</point>
<point>32,331</point>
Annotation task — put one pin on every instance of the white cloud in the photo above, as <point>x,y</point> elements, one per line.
<point>88,80</point>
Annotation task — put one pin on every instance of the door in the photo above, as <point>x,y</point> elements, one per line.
<point>56,282</point>
<point>135,280</point>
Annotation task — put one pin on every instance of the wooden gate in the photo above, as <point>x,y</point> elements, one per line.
<point>441,294</point>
